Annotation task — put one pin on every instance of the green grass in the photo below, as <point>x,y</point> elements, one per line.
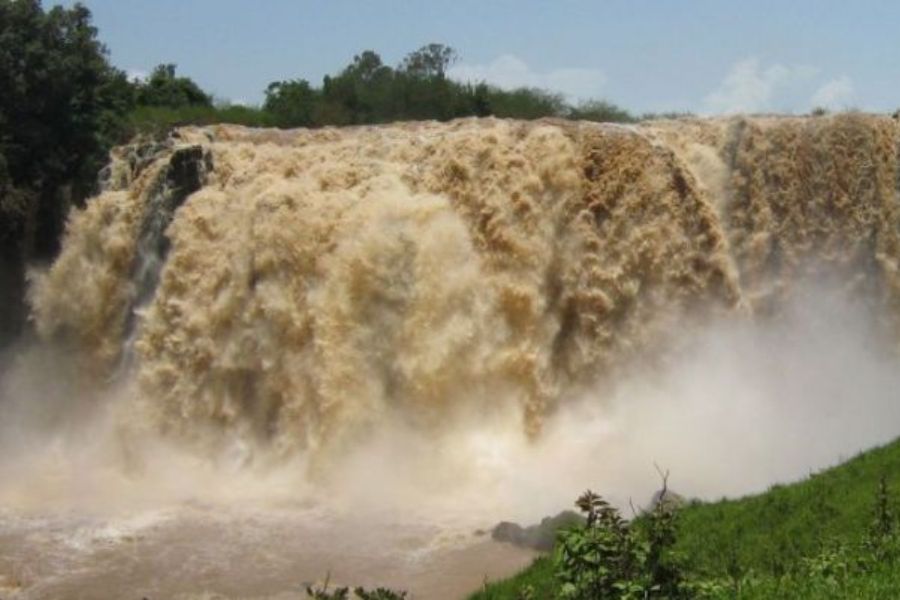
<point>538,576</point>
<point>881,584</point>
<point>768,532</point>
<point>762,540</point>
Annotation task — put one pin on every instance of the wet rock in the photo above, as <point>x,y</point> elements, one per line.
<point>670,501</point>
<point>537,537</point>
<point>187,171</point>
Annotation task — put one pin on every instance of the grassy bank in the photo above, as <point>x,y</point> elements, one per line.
<point>768,532</point>
<point>809,539</point>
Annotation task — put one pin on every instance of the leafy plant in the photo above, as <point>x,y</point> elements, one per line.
<point>663,565</point>
<point>343,593</point>
<point>600,559</point>
<point>379,594</point>
<point>608,557</point>
<point>795,541</point>
<point>322,593</point>
<point>884,523</point>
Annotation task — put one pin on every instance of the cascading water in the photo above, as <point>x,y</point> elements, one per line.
<point>322,278</point>
<point>182,176</point>
<point>305,300</point>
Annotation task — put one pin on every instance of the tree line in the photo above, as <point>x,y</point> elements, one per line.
<point>366,91</point>
<point>63,106</point>
<point>369,91</point>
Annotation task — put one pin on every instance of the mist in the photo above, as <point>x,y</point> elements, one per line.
<point>729,408</point>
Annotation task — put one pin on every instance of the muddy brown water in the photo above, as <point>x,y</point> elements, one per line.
<point>207,552</point>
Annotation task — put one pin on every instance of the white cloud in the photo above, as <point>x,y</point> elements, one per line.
<point>837,93</point>
<point>509,71</point>
<point>750,88</point>
<point>136,74</point>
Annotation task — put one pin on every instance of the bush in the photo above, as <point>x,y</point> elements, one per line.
<point>601,111</point>
<point>343,593</point>
<point>608,557</point>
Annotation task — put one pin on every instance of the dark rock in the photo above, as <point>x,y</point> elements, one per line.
<point>185,174</point>
<point>538,537</point>
<point>671,501</point>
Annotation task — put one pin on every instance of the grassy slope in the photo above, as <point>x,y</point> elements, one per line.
<point>769,532</point>
<point>880,584</point>
<point>538,576</point>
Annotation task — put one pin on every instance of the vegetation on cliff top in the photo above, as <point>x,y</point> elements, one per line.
<point>64,106</point>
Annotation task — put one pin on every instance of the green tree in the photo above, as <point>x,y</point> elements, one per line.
<point>165,88</point>
<point>368,91</point>
<point>423,90</point>
<point>363,92</point>
<point>292,103</point>
<point>429,61</point>
<point>481,100</point>
<point>61,106</point>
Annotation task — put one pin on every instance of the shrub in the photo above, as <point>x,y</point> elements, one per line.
<point>608,557</point>
<point>343,593</point>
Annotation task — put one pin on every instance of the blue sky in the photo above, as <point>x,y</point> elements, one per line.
<point>701,55</point>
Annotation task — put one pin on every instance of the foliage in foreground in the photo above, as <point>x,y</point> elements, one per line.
<point>608,557</point>
<point>343,593</point>
<point>648,557</point>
